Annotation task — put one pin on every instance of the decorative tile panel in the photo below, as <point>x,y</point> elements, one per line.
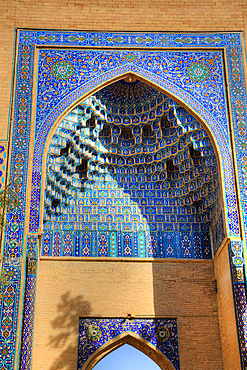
<point>30,293</point>
<point>3,162</point>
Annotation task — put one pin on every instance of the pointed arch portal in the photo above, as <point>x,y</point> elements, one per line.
<point>157,338</point>
<point>196,124</point>
<point>124,357</point>
<point>130,173</point>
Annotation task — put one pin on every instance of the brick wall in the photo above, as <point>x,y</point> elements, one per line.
<point>68,290</point>
<point>228,330</point>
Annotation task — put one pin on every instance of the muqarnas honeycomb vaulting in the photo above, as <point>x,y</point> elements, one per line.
<point>130,173</point>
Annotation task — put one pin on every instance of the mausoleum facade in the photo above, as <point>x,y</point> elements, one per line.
<point>127,152</point>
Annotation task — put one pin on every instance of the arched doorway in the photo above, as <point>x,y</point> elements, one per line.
<point>126,357</point>
<point>130,173</point>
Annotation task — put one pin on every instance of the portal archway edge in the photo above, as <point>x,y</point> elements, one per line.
<point>135,341</point>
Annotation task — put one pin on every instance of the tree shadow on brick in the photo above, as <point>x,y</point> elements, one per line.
<point>66,324</point>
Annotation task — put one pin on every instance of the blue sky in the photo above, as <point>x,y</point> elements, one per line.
<point>125,358</point>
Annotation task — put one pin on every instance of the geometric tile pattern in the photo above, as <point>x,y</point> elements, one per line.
<point>30,292</point>
<point>9,311</point>
<point>177,244</point>
<point>129,60</point>
<point>160,333</point>
<point>3,158</point>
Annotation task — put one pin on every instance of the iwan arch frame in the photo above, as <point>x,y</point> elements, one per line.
<point>28,45</point>
<point>48,250</point>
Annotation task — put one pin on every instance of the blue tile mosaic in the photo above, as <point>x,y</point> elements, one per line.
<point>29,309</point>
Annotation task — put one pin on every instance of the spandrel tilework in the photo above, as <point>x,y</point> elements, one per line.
<point>20,154</point>
<point>137,168</point>
<point>160,333</point>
